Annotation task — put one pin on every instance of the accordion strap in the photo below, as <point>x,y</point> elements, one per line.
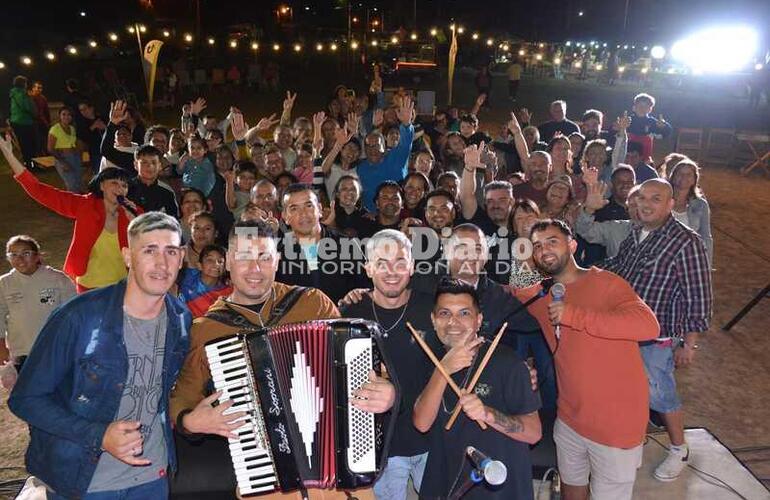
<point>284,305</point>
<point>233,318</point>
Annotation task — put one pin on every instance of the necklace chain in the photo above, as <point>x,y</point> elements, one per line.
<point>387,330</point>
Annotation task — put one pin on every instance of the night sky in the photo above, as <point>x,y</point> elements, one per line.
<point>653,21</point>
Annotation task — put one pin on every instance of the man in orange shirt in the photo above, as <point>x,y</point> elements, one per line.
<point>603,394</point>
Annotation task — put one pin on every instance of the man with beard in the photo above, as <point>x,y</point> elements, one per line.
<point>538,171</point>
<point>392,304</point>
<point>602,401</point>
<point>252,260</point>
<point>389,199</point>
<point>591,127</point>
<point>667,264</point>
<point>494,218</point>
<point>502,399</point>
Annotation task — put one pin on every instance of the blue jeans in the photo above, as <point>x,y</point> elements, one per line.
<point>659,365</point>
<point>73,177</point>
<point>155,490</point>
<point>394,479</point>
<point>533,344</point>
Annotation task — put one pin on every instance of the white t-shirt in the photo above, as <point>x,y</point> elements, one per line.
<point>27,301</point>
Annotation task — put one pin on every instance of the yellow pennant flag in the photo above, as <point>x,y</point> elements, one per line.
<point>150,64</point>
<point>452,57</point>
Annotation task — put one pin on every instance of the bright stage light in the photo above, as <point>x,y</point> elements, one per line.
<point>658,52</point>
<point>717,50</point>
<point>758,66</point>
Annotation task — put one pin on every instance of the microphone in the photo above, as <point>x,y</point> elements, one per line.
<point>122,203</point>
<point>493,472</point>
<point>558,290</point>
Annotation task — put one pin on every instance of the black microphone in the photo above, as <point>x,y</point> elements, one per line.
<point>122,202</point>
<point>558,290</point>
<point>493,472</point>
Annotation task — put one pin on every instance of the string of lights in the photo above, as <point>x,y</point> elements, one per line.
<point>435,35</point>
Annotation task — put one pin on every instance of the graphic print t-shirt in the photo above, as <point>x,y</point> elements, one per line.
<point>145,345</point>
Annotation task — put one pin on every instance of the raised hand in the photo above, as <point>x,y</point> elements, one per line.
<point>318,119</point>
<point>406,111</point>
<point>6,146</point>
<point>623,122</point>
<point>267,123</point>
<point>352,122</point>
<point>595,199</point>
<point>590,175</point>
<point>472,156</point>
<point>197,106</point>
<point>513,124</point>
<point>378,116</point>
<point>480,100</point>
<point>525,116</point>
<point>461,356</point>
<point>488,157</point>
<point>238,126</point>
<point>288,103</point>
<point>342,136</point>
<point>118,112</point>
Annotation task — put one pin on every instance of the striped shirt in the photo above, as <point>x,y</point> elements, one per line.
<point>669,270</point>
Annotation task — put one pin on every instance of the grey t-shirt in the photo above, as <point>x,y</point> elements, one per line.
<point>145,345</point>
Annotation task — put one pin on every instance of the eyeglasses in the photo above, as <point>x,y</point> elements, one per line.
<point>23,255</point>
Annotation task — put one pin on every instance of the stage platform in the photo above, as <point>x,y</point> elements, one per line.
<point>708,455</point>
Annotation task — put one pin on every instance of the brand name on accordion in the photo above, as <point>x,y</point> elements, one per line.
<point>283,446</point>
<point>275,405</point>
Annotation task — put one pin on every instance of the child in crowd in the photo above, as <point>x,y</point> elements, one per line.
<point>304,164</point>
<point>209,277</point>
<point>238,187</point>
<point>645,127</point>
<point>196,169</point>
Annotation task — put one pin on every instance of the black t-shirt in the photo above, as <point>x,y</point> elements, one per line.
<point>412,366</point>
<point>505,386</point>
<point>154,197</point>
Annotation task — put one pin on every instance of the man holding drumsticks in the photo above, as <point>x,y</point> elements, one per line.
<point>502,399</point>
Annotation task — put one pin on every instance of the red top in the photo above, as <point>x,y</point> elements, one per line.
<point>87,211</point>
<point>603,391</point>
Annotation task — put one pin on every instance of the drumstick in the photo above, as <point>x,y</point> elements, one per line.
<point>477,375</point>
<point>438,364</point>
<point>435,360</point>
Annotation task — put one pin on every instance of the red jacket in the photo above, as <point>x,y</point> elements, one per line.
<point>87,211</point>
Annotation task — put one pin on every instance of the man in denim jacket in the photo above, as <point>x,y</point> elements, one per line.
<point>95,387</point>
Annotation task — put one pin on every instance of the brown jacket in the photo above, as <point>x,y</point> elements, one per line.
<point>191,384</point>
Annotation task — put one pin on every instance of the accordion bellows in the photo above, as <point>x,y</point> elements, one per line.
<point>295,382</point>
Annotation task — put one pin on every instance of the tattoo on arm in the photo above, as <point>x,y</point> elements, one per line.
<point>511,424</point>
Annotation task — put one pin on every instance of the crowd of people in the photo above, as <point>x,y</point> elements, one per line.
<point>360,210</point>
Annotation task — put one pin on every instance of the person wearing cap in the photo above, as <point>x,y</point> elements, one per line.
<point>560,200</point>
<point>101,221</point>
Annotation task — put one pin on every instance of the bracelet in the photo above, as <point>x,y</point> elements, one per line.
<point>471,170</point>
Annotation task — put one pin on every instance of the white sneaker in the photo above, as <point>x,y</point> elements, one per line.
<point>672,466</point>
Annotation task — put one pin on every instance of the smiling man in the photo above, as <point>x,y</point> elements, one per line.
<point>257,300</point>
<point>502,399</point>
<point>602,398</point>
<point>392,304</point>
<point>95,387</point>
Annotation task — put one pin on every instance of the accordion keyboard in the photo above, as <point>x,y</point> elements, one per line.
<point>253,463</point>
<point>361,452</point>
